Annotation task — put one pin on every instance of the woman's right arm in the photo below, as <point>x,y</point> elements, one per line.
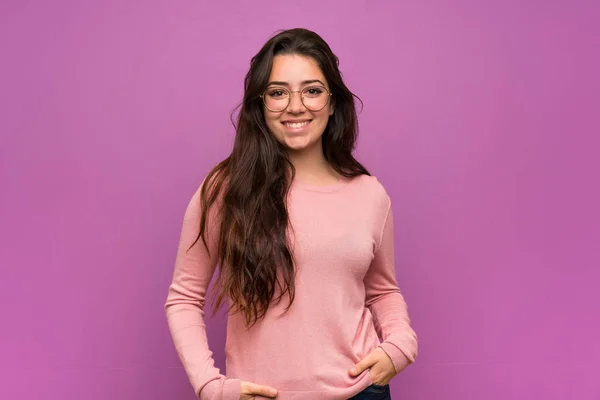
<point>185,307</point>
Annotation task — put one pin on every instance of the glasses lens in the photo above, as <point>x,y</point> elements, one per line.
<point>276,99</point>
<point>315,97</point>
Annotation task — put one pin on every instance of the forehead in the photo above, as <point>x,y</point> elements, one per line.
<point>295,68</point>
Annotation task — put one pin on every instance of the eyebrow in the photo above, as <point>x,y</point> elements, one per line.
<point>301,83</point>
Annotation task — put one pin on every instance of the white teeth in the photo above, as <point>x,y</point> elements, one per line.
<point>296,125</point>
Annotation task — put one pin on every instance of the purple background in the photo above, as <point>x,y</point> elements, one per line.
<point>480,118</point>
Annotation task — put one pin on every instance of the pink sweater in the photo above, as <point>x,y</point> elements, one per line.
<point>347,299</point>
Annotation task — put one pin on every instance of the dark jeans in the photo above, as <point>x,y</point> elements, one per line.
<point>374,392</point>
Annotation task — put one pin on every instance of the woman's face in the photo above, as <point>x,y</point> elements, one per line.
<point>297,127</point>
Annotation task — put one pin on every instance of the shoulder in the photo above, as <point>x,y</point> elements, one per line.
<point>195,198</point>
<point>371,190</point>
<point>212,188</point>
<point>206,197</point>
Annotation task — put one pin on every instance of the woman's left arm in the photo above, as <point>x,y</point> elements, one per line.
<point>387,305</point>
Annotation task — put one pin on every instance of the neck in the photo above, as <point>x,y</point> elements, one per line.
<point>312,167</point>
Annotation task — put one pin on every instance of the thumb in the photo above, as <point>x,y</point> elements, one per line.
<point>362,365</point>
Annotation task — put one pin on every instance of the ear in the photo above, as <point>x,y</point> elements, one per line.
<point>331,106</point>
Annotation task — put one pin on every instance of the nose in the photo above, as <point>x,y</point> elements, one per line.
<point>296,106</point>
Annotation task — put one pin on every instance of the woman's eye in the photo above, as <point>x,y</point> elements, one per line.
<point>314,91</point>
<point>277,93</point>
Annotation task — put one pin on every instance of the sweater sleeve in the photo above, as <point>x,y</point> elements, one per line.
<point>384,299</point>
<point>184,307</point>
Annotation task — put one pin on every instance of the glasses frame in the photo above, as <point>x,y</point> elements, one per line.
<point>262,96</point>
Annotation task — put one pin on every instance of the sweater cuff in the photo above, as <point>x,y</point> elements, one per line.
<point>229,389</point>
<point>397,356</point>
<point>232,389</point>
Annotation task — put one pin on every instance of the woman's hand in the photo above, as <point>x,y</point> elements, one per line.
<point>380,365</point>
<point>250,390</point>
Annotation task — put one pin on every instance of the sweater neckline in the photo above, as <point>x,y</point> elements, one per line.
<point>333,187</point>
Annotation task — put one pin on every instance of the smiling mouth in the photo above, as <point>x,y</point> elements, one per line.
<point>296,125</point>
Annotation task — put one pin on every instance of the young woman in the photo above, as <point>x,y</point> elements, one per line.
<point>303,237</point>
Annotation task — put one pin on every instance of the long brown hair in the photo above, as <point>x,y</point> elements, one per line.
<point>253,182</point>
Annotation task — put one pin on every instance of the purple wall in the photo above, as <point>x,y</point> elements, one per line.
<point>480,118</point>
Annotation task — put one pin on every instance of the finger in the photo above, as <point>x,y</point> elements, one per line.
<point>362,365</point>
<point>260,390</point>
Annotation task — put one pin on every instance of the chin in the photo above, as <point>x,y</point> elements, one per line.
<point>295,145</point>
<point>295,148</point>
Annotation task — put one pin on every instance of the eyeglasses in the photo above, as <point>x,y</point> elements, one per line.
<point>314,98</point>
